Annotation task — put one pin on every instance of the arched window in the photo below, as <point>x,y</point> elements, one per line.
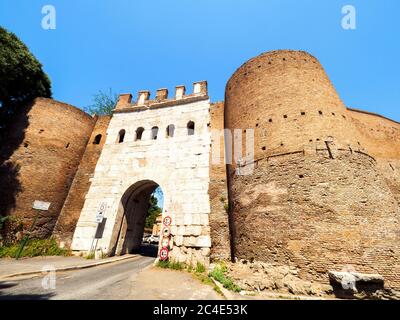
<point>170,131</point>
<point>190,128</point>
<point>154,133</point>
<point>97,139</point>
<point>139,133</point>
<point>121,136</point>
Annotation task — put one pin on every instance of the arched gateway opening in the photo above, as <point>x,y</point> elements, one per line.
<point>136,229</point>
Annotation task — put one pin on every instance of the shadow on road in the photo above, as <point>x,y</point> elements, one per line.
<point>6,285</point>
<point>148,250</point>
<point>12,296</point>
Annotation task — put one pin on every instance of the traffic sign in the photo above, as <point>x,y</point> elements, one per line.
<point>167,221</point>
<point>99,217</point>
<point>165,243</point>
<point>164,254</point>
<point>101,212</point>
<point>103,207</point>
<point>41,205</point>
<point>166,232</point>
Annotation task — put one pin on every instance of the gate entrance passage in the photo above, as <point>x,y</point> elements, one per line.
<point>137,213</point>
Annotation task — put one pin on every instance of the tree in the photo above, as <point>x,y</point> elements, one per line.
<point>22,78</point>
<point>153,212</point>
<point>103,103</point>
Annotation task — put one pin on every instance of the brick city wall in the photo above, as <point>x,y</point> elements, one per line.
<point>219,222</point>
<point>52,137</point>
<point>379,135</point>
<point>315,199</point>
<point>324,194</point>
<point>73,205</point>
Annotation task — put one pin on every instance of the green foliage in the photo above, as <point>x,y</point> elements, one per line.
<point>164,264</point>
<point>204,278</point>
<point>153,212</point>
<point>226,207</point>
<point>21,76</point>
<point>103,103</point>
<point>200,268</point>
<point>171,265</point>
<point>90,256</point>
<point>199,272</point>
<point>219,274</point>
<point>34,248</point>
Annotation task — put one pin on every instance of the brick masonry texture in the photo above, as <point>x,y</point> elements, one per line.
<point>324,191</point>
<point>219,222</point>
<point>53,138</point>
<point>324,194</point>
<point>73,205</point>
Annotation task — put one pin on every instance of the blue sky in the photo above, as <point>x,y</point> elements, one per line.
<point>131,45</point>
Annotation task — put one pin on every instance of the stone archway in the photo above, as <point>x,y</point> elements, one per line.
<point>129,225</point>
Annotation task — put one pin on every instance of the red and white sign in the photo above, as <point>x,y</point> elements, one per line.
<point>167,221</point>
<point>166,232</point>
<point>164,254</point>
<point>165,243</point>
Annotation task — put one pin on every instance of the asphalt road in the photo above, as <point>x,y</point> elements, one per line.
<point>114,281</point>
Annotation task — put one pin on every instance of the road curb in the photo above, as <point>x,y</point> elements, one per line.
<point>76,267</point>
<point>224,292</point>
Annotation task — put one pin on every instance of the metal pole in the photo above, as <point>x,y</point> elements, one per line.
<point>94,238</point>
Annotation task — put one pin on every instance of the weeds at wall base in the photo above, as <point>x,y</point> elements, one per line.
<point>200,273</point>
<point>34,248</point>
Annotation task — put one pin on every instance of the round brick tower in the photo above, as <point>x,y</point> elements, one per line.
<point>289,98</point>
<point>39,159</point>
<point>312,197</point>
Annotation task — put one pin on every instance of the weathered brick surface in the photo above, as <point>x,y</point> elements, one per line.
<point>318,198</point>
<point>324,194</point>
<point>381,138</point>
<point>52,143</point>
<point>73,205</point>
<point>219,224</point>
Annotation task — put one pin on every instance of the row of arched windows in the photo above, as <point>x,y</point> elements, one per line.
<point>169,132</point>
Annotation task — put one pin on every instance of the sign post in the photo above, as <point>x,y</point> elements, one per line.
<point>99,219</point>
<point>37,206</point>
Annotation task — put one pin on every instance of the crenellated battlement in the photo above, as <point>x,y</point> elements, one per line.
<point>125,104</point>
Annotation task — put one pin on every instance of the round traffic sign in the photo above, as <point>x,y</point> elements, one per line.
<point>164,254</point>
<point>166,232</point>
<point>167,221</point>
<point>165,243</point>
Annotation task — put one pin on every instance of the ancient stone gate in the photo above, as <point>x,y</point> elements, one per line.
<point>161,142</point>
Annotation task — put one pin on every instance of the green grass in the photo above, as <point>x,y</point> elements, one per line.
<point>171,265</point>
<point>219,274</point>
<point>90,256</point>
<point>200,268</point>
<point>34,248</point>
